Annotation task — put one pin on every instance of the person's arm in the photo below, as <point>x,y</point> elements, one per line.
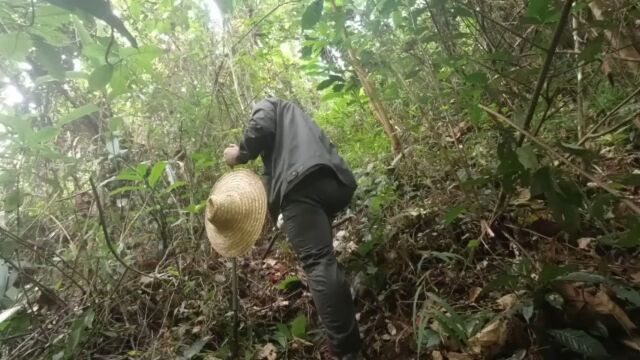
<point>257,135</point>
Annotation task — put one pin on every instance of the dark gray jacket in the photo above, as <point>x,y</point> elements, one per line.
<point>290,145</point>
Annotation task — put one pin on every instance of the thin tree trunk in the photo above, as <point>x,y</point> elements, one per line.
<point>378,108</point>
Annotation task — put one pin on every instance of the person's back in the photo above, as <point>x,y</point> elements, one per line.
<point>291,145</point>
<point>309,183</point>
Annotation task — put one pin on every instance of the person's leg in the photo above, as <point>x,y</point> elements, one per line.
<point>309,231</point>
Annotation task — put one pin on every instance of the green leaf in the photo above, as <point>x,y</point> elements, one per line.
<point>328,82</point>
<point>504,281</point>
<point>81,30</point>
<point>288,282</point>
<point>580,342</point>
<point>196,208</point>
<point>629,179</point>
<point>527,157</point>
<point>387,7</point>
<point>312,14</point>
<point>119,82</point>
<point>626,293</point>
<point>453,321</point>
<point>100,77</point>
<point>540,10</point>
<point>175,185</point>
<point>15,45</point>
<point>593,49</point>
<point>77,331</point>
<point>50,58</point>
<point>77,113</point>
<point>452,214</point>
<point>551,272</point>
<point>141,169</point>
<point>477,78</point>
<point>156,173</point>
<point>583,277</point>
<point>131,175</point>
<point>299,327</point>
<point>123,189</point>
<point>43,135</point>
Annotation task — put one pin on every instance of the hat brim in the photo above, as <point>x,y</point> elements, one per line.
<point>238,239</point>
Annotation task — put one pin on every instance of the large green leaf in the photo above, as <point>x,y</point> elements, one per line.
<point>452,214</point>
<point>43,135</point>
<point>124,189</point>
<point>527,157</point>
<point>77,113</point>
<point>15,45</point>
<point>119,82</point>
<point>100,77</point>
<point>78,329</point>
<point>312,14</point>
<point>541,11</point>
<point>328,82</point>
<point>156,173</point>
<point>580,342</point>
<point>299,327</point>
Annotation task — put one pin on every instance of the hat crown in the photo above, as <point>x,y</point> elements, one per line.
<point>224,209</point>
<point>235,212</point>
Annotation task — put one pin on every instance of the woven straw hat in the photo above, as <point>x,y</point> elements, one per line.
<point>236,211</point>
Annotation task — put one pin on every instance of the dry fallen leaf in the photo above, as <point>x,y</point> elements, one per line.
<point>508,301</point>
<point>490,339</point>
<point>436,355</point>
<point>268,352</point>
<point>600,302</point>
<point>486,229</point>
<point>635,278</point>
<point>474,293</point>
<point>219,278</point>
<point>391,329</point>
<point>633,343</point>
<point>583,243</point>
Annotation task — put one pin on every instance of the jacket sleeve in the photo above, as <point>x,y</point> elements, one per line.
<point>259,133</point>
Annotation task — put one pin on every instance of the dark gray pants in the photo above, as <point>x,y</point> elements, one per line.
<point>308,209</point>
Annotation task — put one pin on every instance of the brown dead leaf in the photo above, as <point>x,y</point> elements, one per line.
<point>490,339</point>
<point>486,229</point>
<point>391,329</point>
<point>474,293</point>
<point>633,343</point>
<point>583,243</point>
<point>523,197</point>
<point>268,352</point>
<point>595,300</point>
<point>635,278</point>
<point>508,301</point>
<point>436,355</point>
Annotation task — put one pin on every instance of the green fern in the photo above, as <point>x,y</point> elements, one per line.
<point>580,342</point>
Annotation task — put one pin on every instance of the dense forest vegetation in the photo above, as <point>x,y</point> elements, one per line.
<point>496,146</point>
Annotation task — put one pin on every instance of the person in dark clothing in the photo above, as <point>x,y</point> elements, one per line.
<point>308,183</point>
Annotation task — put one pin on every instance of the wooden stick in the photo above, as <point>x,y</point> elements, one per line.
<point>630,204</point>
<point>234,307</point>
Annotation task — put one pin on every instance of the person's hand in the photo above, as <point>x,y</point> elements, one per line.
<point>231,154</point>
